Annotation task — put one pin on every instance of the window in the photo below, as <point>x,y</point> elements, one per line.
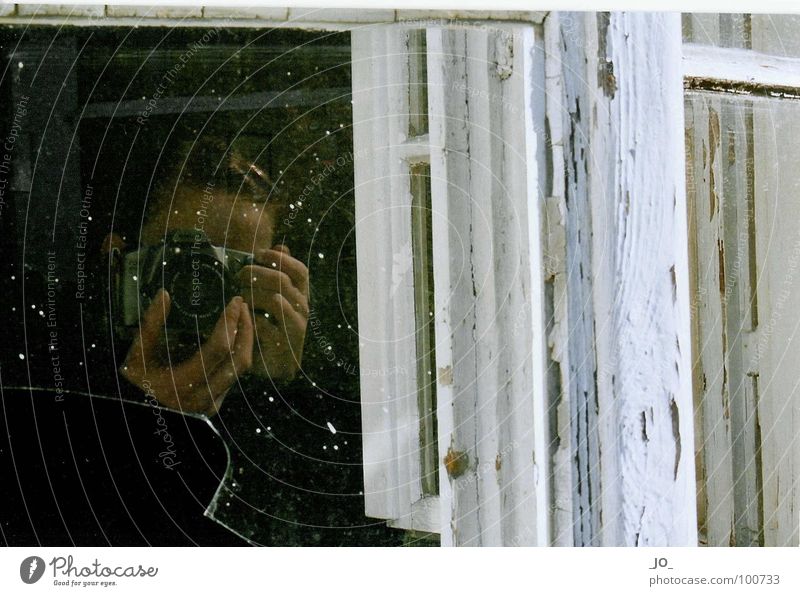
<point>88,162</point>
<point>447,232</point>
<point>440,220</point>
<point>742,121</point>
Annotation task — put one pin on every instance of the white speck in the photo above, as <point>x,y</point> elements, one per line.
<point>20,64</point>
<point>94,346</point>
<point>22,356</point>
<point>274,264</point>
<point>258,431</point>
<point>324,446</point>
<point>89,218</point>
<point>41,312</point>
<point>177,250</point>
<point>13,277</point>
<point>330,428</point>
<point>313,384</point>
<point>327,132</point>
<point>271,398</point>
<point>135,278</point>
<point>269,428</point>
<point>321,256</point>
<point>33,306</point>
<point>336,448</point>
<point>266,315</point>
<point>309,221</point>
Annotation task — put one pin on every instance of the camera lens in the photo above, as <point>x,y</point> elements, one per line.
<point>197,285</point>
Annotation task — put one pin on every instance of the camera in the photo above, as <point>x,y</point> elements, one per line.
<point>199,276</point>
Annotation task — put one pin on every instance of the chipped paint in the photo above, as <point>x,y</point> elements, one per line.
<point>456,462</point>
<point>445,374</point>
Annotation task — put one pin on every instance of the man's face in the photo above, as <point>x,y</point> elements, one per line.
<point>236,222</point>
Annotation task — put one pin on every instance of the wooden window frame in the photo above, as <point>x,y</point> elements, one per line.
<point>751,507</point>
<point>390,415</point>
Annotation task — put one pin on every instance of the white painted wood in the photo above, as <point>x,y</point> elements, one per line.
<point>575,466</point>
<point>75,10</point>
<point>776,125</point>
<point>743,190</point>
<point>490,331</point>
<point>425,516</point>
<point>154,11</point>
<point>645,289</point>
<point>390,418</point>
<point>252,16</point>
<point>731,67</point>
<point>561,466</point>
<point>774,348</point>
<point>345,15</point>
<point>720,190</point>
<point>245,12</point>
<point>704,187</point>
<point>622,79</point>
<point>429,17</point>
<point>415,149</point>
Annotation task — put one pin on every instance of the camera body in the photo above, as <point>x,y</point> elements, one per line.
<point>199,276</point>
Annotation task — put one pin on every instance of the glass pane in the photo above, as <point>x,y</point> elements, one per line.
<point>124,137</point>
<point>422,238</point>
<point>722,30</point>
<point>776,34</point>
<point>743,178</point>
<point>417,83</point>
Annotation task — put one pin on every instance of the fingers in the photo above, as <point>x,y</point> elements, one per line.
<point>263,283</point>
<point>218,346</point>
<point>243,347</point>
<point>285,316</point>
<point>219,381</point>
<point>144,346</point>
<point>280,259</point>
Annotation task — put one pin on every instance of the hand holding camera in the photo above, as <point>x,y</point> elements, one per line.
<point>200,383</point>
<point>199,279</point>
<point>276,288</point>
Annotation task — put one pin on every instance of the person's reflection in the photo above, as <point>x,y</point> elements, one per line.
<point>261,332</point>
